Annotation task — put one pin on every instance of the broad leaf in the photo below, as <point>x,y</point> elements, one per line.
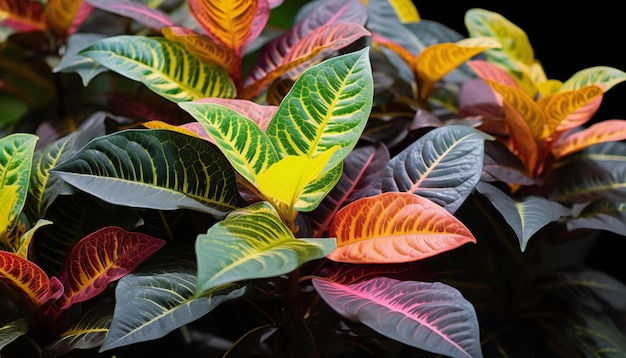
<point>158,169</point>
<point>101,258</point>
<point>525,216</point>
<point>59,15</point>
<point>612,130</point>
<point>163,66</point>
<point>158,298</point>
<point>15,168</point>
<point>571,109</point>
<point>12,330</point>
<point>394,228</point>
<point>603,214</point>
<point>489,71</point>
<point>241,140</point>
<point>252,243</point>
<point>425,167</point>
<point>143,14</point>
<point>602,76</point>
<point>327,106</point>
<point>28,279</point>
<point>428,315</point>
<point>22,16</point>
<point>88,332</point>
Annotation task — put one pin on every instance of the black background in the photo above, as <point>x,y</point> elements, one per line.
<point>566,38</point>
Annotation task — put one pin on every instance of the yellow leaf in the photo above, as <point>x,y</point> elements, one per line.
<point>10,196</point>
<point>406,10</point>
<point>26,239</point>
<point>284,180</point>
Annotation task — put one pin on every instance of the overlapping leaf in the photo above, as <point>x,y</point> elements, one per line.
<point>21,15</point>
<point>444,165</point>
<point>603,214</point>
<point>602,76</point>
<point>525,216</point>
<point>86,67</point>
<point>429,315</point>
<point>571,109</point>
<point>159,298</point>
<point>163,66</point>
<point>28,279</point>
<point>101,258</point>
<point>394,228</point>
<point>613,130</point>
<point>89,332</point>
<point>327,106</point>
<point>252,243</point>
<point>143,14</point>
<point>12,330</point>
<point>158,169</point>
<point>59,15</point>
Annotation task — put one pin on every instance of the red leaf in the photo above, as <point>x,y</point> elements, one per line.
<point>21,15</point>
<point>28,278</point>
<point>101,258</point>
<point>395,227</point>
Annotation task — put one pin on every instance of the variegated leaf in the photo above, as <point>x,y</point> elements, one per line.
<point>22,16</point>
<point>571,109</point>
<point>605,131</point>
<point>143,14</point>
<point>28,279</point>
<point>59,15</point>
<point>603,76</point>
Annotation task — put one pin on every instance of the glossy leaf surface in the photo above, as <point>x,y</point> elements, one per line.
<point>159,298</point>
<point>327,106</point>
<point>163,66</point>
<point>252,243</point>
<point>602,76</point>
<point>444,165</point>
<point>394,228</point>
<point>28,279</point>
<point>158,169</point>
<point>526,216</point>
<point>428,315</point>
<point>571,109</point>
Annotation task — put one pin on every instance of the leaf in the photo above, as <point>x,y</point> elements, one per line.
<point>612,130</point>
<point>317,44</point>
<point>12,330</point>
<point>15,168</point>
<point>593,334</point>
<point>157,169</point>
<point>26,239</point>
<point>21,16</point>
<point>571,109</point>
<point>246,147</point>
<point>230,23</point>
<point>86,67</point>
<point>602,76</point>
<point>257,113</point>
<point>143,14</point>
<point>101,258</point>
<point>525,216</point>
<point>89,332</point>
<point>158,298</point>
<point>430,316</point>
<point>163,66</point>
<point>285,180</point>
<point>405,10</point>
<point>592,176</point>
<point>489,71</point>
<point>362,167</point>
<point>444,165</point>
<point>435,61</point>
<point>28,279</point>
<point>603,214</point>
<point>252,243</point>
<point>59,16</point>
<point>328,105</point>
<point>395,228</point>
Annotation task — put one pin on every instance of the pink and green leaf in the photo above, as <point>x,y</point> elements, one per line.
<point>10,331</point>
<point>100,258</point>
<point>606,131</point>
<point>489,71</point>
<point>143,14</point>
<point>395,228</point>
<point>245,254</point>
<point>28,279</point>
<point>428,315</point>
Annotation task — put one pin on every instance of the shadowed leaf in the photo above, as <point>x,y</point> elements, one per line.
<point>59,15</point>
<point>143,14</point>
<point>22,16</point>
<point>86,67</point>
<point>88,332</point>
<point>12,330</point>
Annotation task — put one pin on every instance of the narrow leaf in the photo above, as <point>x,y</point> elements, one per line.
<point>252,243</point>
<point>163,66</point>
<point>428,315</point>
<point>158,169</point>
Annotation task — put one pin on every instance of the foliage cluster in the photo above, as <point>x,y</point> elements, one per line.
<point>269,178</point>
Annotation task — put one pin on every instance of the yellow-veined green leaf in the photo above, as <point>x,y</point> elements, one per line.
<point>162,65</point>
<point>603,76</point>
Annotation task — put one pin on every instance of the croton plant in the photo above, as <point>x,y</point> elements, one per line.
<point>298,179</point>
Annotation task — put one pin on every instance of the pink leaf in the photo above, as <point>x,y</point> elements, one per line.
<point>152,18</point>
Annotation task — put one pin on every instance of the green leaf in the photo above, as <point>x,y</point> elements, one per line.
<point>15,166</point>
<point>158,298</point>
<point>88,332</point>
<point>252,243</point>
<point>163,66</point>
<point>157,169</point>
<point>313,194</point>
<point>526,216</point>
<point>12,330</point>
<point>328,105</point>
<point>241,140</point>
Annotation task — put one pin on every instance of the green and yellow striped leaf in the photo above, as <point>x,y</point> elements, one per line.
<point>162,65</point>
<point>157,169</point>
<point>602,76</point>
<point>252,243</point>
<point>328,105</point>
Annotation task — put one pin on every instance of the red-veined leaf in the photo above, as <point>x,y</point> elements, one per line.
<point>21,15</point>
<point>103,257</point>
<point>429,315</point>
<point>29,279</point>
<point>60,14</point>
<point>327,38</point>
<point>604,131</point>
<point>570,109</point>
<point>395,227</point>
<point>143,14</point>
<point>489,71</point>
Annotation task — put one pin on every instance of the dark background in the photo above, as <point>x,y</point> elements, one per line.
<point>566,38</point>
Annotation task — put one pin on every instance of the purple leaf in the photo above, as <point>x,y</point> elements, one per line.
<point>152,18</point>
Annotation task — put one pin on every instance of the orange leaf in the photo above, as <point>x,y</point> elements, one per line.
<point>601,132</point>
<point>395,227</point>
<point>29,279</point>
<point>570,109</point>
<point>59,15</point>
